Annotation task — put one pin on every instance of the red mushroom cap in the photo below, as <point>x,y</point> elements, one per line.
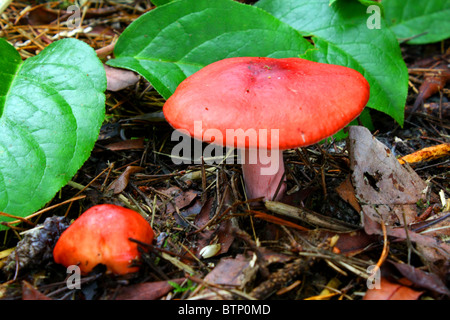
<point>101,236</point>
<point>306,101</point>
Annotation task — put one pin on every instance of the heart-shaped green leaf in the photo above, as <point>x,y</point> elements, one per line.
<point>160,2</point>
<point>422,21</point>
<point>173,41</point>
<point>51,109</point>
<point>351,34</point>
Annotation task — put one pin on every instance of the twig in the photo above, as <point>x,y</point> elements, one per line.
<point>46,209</point>
<point>307,216</point>
<point>385,252</point>
<point>4,4</point>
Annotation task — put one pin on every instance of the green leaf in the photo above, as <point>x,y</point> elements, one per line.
<point>179,289</point>
<point>173,41</point>
<point>160,2</point>
<point>51,110</point>
<point>341,36</point>
<point>370,3</point>
<point>418,20</point>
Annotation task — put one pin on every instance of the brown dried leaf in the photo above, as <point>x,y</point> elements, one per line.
<point>434,82</point>
<point>187,213</point>
<point>435,249</point>
<point>387,190</point>
<point>389,193</point>
<point>147,290</point>
<point>105,51</point>
<point>205,214</point>
<point>346,191</point>
<point>185,198</point>
<point>39,15</point>
<point>130,144</point>
<point>31,293</point>
<point>193,209</point>
<point>118,79</point>
<point>422,279</point>
<point>181,198</point>
<point>235,272</point>
<point>118,185</point>
<point>269,257</point>
<point>45,14</point>
<point>391,291</point>
<point>352,243</point>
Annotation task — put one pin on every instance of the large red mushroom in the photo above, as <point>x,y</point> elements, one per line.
<point>288,102</point>
<point>101,235</point>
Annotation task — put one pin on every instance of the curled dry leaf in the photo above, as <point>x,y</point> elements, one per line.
<point>434,81</point>
<point>131,144</point>
<point>118,185</point>
<point>105,51</point>
<point>118,79</point>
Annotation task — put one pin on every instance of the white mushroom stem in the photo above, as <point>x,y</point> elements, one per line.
<point>263,171</point>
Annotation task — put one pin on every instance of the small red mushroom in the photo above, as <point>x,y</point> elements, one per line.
<point>300,102</point>
<point>101,235</point>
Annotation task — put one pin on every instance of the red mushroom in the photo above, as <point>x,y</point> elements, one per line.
<point>101,235</point>
<point>300,102</point>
